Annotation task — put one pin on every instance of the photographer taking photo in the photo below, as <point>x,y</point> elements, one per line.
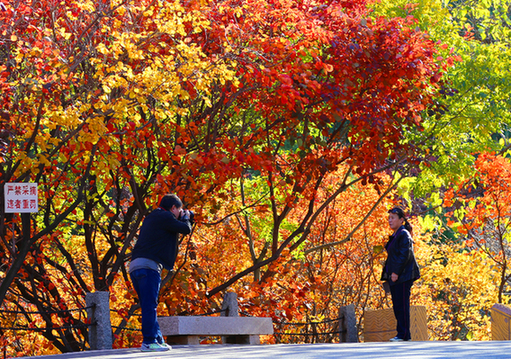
<point>155,249</point>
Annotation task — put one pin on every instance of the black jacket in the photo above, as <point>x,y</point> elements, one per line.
<point>158,238</point>
<point>400,258</point>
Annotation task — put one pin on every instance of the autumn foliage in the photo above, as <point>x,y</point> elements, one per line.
<point>280,123</point>
<point>481,213</point>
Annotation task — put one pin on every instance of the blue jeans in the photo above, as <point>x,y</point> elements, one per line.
<point>147,285</point>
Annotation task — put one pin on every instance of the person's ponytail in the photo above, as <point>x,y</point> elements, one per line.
<point>408,226</point>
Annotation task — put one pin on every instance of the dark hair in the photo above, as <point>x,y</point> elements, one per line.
<point>401,214</point>
<point>170,200</point>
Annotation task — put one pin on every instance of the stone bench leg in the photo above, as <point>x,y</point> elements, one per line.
<point>230,339</point>
<point>241,339</point>
<point>183,339</point>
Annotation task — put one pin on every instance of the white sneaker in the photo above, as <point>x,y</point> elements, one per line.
<point>396,339</point>
<point>154,347</point>
<point>165,345</point>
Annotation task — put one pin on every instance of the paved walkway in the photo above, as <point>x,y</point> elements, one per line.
<point>430,349</point>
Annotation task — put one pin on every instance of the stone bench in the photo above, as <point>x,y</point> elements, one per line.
<point>234,330</point>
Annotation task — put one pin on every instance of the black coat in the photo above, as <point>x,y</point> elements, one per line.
<point>158,238</point>
<point>400,258</point>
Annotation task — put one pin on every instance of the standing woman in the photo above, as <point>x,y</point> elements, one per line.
<point>400,271</point>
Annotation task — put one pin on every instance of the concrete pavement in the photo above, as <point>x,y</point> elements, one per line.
<point>429,349</point>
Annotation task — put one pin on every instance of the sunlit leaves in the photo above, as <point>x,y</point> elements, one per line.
<point>115,103</point>
<point>484,217</point>
<point>472,113</point>
<point>458,288</point>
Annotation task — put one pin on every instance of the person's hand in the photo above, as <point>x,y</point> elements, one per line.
<point>394,277</point>
<point>187,215</point>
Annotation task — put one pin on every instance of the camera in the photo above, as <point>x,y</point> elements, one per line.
<point>186,214</point>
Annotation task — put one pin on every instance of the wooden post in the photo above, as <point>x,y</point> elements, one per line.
<point>500,322</point>
<point>380,325</point>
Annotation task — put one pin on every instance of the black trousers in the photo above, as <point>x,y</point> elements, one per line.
<point>401,304</point>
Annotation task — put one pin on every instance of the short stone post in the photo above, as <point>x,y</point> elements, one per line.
<point>348,324</point>
<point>230,305</point>
<point>230,309</point>
<point>100,331</point>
